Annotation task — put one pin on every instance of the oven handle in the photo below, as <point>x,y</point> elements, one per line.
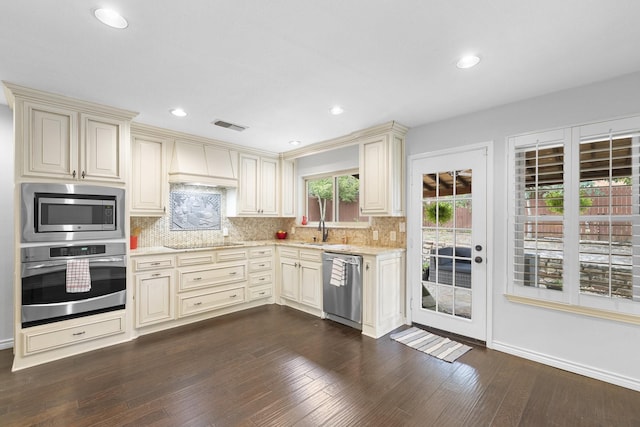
<point>53,266</point>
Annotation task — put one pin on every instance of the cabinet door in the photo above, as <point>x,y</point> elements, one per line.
<point>248,185</point>
<point>288,189</point>
<point>148,176</point>
<point>289,278</point>
<point>374,169</point>
<point>154,298</point>
<point>311,283</point>
<point>50,141</point>
<point>101,149</point>
<point>268,187</point>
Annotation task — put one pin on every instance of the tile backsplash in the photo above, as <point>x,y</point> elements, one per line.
<point>156,231</point>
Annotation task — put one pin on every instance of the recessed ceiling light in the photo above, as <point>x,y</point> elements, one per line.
<point>111,18</point>
<point>468,61</point>
<point>295,142</point>
<point>336,110</point>
<point>178,112</point>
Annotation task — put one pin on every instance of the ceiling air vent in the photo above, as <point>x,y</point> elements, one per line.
<point>228,125</point>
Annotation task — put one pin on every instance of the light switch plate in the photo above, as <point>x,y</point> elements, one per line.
<point>375,234</point>
<point>403,227</point>
<point>225,232</point>
<point>293,230</point>
<point>392,236</point>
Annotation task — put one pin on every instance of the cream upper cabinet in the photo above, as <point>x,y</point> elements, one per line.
<point>101,148</point>
<point>288,188</point>
<point>258,186</point>
<point>148,175</point>
<point>382,175</point>
<point>62,138</point>
<point>49,134</point>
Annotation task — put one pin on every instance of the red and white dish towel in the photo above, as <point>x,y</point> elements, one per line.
<point>78,276</point>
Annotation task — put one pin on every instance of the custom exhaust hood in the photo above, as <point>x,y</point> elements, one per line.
<point>203,164</point>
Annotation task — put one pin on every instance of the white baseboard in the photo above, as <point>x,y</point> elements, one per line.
<point>4,344</point>
<point>567,365</point>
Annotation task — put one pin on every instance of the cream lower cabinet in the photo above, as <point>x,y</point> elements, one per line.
<point>300,278</point>
<point>211,280</point>
<point>154,290</point>
<point>382,293</point>
<point>261,272</point>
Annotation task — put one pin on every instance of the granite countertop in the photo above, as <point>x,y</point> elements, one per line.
<point>328,247</point>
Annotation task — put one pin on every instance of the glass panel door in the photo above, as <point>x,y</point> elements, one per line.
<point>448,209</point>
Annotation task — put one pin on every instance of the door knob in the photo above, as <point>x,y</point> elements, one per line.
<point>478,259</point>
<point>478,247</point>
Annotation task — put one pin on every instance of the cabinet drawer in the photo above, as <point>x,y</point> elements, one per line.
<point>260,265</point>
<point>288,252</point>
<point>261,292</point>
<point>198,258</point>
<point>193,304</point>
<point>211,276</point>
<point>48,340</point>
<point>261,278</point>
<point>232,255</point>
<point>311,255</point>
<point>144,264</point>
<point>260,252</point>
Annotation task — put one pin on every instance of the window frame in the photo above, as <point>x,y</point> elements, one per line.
<point>334,224</point>
<point>570,298</point>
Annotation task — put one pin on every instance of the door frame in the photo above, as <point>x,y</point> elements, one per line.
<point>414,246</point>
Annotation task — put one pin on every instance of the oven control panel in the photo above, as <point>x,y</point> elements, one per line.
<point>83,250</point>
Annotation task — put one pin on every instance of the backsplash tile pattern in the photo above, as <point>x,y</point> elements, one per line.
<point>355,236</point>
<point>155,231</point>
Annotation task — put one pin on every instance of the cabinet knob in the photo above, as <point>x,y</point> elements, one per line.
<point>73,174</point>
<point>195,279</point>
<point>155,275</point>
<point>83,174</point>
<point>197,303</point>
<point>77,334</point>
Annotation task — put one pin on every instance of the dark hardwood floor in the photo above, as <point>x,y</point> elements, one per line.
<point>274,366</point>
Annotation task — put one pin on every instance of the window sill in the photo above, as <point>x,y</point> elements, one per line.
<point>575,309</point>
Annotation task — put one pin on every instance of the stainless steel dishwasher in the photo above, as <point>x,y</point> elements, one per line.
<point>342,300</point>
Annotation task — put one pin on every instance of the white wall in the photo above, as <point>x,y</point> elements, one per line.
<point>6,227</point>
<point>599,348</point>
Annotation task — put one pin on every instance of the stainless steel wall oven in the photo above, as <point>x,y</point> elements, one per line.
<point>63,281</point>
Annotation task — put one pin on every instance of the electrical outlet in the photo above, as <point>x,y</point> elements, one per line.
<point>392,236</point>
<point>225,232</point>
<point>293,230</point>
<point>375,234</point>
<point>403,227</point>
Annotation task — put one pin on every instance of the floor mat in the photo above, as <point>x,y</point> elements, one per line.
<point>434,345</point>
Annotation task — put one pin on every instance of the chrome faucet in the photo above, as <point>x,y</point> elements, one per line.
<point>325,231</point>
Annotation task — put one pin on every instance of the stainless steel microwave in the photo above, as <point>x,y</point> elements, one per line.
<point>64,212</point>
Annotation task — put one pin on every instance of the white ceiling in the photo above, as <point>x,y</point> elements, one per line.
<point>277,66</point>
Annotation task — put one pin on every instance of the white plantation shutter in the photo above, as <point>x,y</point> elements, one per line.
<point>574,222</point>
<point>608,228</point>
<point>538,241</point>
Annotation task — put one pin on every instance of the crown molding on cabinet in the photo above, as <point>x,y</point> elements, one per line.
<point>12,90</point>
<point>351,139</point>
